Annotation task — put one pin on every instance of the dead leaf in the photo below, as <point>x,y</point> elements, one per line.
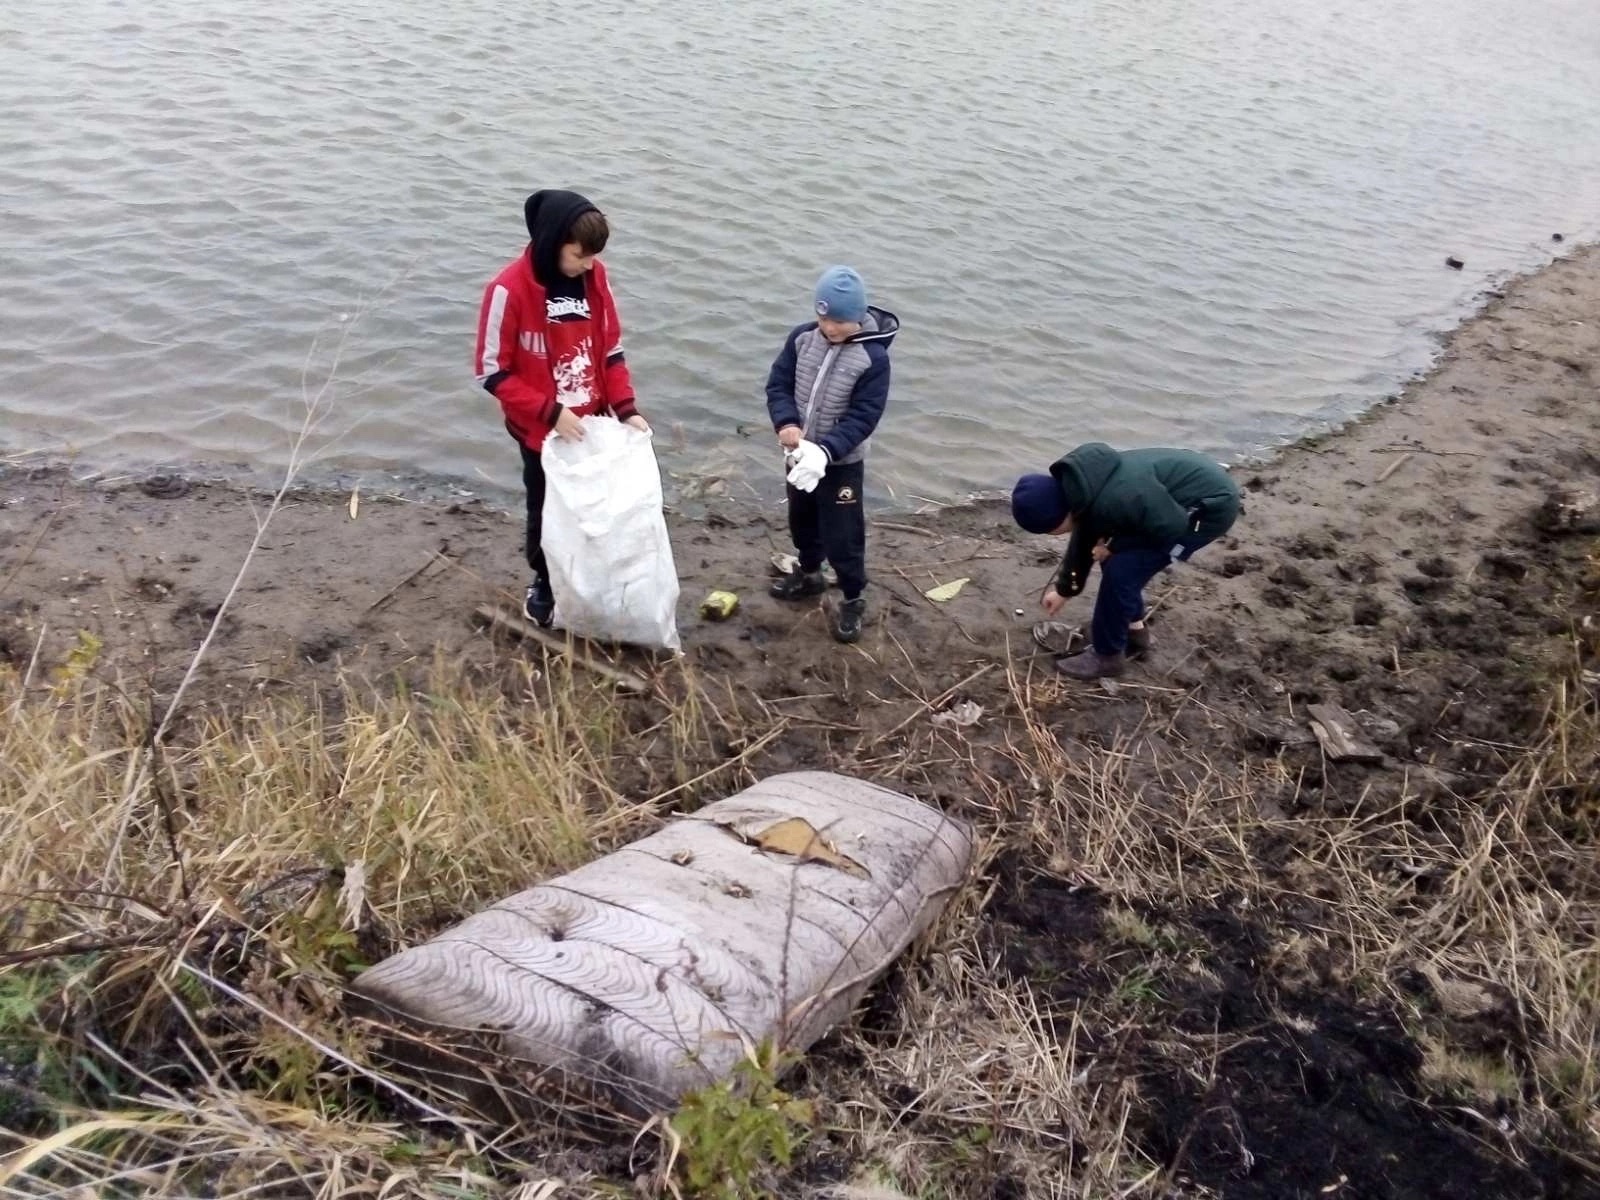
<point>353,895</point>
<point>947,591</point>
<point>355,502</point>
<point>960,716</point>
<point>797,837</point>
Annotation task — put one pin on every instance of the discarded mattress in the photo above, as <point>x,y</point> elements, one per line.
<point>647,972</point>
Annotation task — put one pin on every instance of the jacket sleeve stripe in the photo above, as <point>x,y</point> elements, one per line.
<point>491,335</point>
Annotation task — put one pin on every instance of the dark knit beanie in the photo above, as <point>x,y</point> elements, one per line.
<point>1037,504</point>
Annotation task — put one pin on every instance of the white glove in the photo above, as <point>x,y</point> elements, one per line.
<point>807,463</point>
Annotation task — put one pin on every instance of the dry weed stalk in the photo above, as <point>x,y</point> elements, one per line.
<point>436,802</point>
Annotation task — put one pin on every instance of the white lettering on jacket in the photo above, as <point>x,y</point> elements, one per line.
<point>566,308</point>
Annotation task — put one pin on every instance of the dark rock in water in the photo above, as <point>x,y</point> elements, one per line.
<point>1454,263</point>
<point>1556,237</point>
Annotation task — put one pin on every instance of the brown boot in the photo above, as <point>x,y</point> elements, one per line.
<point>1092,665</point>
<point>1139,642</point>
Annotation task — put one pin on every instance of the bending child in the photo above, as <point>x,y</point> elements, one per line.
<point>1134,512</point>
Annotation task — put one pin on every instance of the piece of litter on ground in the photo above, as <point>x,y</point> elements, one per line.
<point>1057,637</point>
<point>947,591</point>
<point>353,895</point>
<point>1110,687</point>
<point>959,716</point>
<point>788,564</point>
<point>355,502</point>
<point>1340,735</point>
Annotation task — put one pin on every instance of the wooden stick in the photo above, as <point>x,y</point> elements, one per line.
<point>1395,466</point>
<point>389,595</point>
<point>906,528</point>
<point>505,622</point>
<point>1425,450</point>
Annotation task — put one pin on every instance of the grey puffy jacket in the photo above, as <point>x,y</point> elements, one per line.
<point>836,393</point>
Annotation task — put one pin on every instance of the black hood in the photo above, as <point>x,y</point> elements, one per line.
<point>551,215</point>
<point>880,325</point>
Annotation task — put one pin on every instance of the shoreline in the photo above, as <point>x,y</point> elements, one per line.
<point>1348,954</point>
<point>140,563</point>
<point>447,490</point>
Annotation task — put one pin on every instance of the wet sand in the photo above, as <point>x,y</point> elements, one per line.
<point>1347,547</point>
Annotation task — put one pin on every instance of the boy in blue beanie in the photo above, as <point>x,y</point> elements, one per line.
<point>825,394</point>
<point>1134,512</point>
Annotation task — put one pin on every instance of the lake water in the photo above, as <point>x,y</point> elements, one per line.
<point>1208,222</point>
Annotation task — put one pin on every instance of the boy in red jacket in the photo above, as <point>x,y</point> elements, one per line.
<point>550,350</point>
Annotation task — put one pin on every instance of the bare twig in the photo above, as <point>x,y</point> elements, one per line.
<point>432,558</point>
<point>1394,466</point>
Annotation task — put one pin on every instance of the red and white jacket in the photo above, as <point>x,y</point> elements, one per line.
<point>538,354</point>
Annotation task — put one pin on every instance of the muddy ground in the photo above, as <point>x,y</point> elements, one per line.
<point>1398,568</point>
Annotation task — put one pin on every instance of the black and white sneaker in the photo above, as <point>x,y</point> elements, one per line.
<point>847,624</point>
<point>797,585</point>
<point>539,605</point>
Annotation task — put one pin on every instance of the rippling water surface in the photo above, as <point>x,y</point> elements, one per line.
<point>1214,222</point>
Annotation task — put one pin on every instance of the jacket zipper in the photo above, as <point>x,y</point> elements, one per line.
<point>816,387</point>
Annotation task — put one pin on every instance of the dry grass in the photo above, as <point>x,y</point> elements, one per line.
<point>276,853</point>
<point>171,986</point>
<point>1507,929</point>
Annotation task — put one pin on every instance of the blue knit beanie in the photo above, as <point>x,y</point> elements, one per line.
<point>841,295</point>
<point>1037,504</point>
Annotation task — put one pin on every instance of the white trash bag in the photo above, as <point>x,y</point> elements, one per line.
<point>605,538</point>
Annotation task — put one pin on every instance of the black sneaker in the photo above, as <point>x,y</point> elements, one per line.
<point>847,622</point>
<point>539,604</point>
<point>797,585</point>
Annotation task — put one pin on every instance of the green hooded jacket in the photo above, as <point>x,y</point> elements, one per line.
<point>1139,498</point>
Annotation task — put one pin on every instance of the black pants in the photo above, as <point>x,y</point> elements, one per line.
<point>831,523</point>
<point>533,481</point>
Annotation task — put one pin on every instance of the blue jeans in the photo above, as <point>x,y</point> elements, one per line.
<point>1123,577</point>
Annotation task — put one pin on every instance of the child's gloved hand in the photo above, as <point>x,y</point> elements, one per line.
<point>807,464</point>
